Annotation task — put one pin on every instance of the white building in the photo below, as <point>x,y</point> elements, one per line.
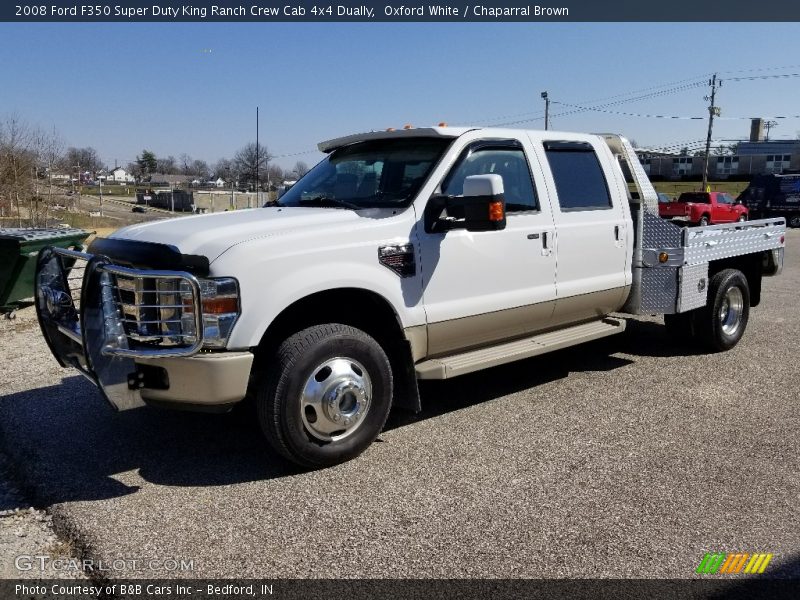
<point>120,175</point>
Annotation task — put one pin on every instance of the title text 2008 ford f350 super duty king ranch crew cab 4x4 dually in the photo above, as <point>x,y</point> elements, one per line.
<point>416,254</point>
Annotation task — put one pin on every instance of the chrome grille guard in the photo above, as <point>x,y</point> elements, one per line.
<point>97,317</point>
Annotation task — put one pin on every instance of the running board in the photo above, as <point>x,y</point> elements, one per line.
<point>475,360</point>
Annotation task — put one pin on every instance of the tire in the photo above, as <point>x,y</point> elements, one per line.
<point>722,322</point>
<point>794,221</point>
<point>742,218</point>
<point>326,396</point>
<point>704,220</point>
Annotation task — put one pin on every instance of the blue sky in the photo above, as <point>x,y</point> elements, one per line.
<point>193,88</point>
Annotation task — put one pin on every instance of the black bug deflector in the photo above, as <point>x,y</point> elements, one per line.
<point>81,315</point>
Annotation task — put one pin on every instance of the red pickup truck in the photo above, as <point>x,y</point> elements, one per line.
<point>703,208</point>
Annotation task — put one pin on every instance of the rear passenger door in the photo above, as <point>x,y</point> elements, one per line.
<point>592,246</point>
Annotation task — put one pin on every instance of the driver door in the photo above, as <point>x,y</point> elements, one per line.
<point>483,287</point>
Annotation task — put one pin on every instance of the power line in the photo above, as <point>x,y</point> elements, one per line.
<point>653,91</point>
<point>627,114</point>
<point>754,77</point>
<point>664,92</point>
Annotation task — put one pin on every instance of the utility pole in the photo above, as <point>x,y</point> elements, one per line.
<point>546,110</point>
<point>769,125</point>
<point>712,112</point>
<point>258,178</point>
<point>78,200</point>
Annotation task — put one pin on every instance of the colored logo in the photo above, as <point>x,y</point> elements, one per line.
<point>741,562</point>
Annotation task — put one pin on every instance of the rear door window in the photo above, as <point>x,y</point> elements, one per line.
<point>580,181</point>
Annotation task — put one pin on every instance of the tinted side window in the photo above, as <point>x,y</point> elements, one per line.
<point>580,182</point>
<point>510,163</point>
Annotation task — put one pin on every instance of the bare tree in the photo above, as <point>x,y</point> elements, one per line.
<point>248,166</point>
<point>134,169</point>
<point>51,154</point>
<point>17,165</point>
<point>226,169</point>
<point>48,148</point>
<point>200,169</point>
<point>276,176</point>
<point>300,168</point>
<point>167,165</point>
<point>83,159</point>
<point>185,164</point>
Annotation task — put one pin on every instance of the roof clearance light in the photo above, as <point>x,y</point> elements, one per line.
<point>442,124</point>
<point>390,129</point>
<point>409,126</point>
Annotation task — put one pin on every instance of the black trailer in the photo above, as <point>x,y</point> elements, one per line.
<point>174,200</point>
<point>770,196</point>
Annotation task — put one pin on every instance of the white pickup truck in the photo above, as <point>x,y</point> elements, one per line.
<point>404,255</point>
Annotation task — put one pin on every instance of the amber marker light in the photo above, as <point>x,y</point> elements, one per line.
<point>213,306</point>
<point>663,257</point>
<point>496,211</point>
<point>408,126</point>
<point>442,124</point>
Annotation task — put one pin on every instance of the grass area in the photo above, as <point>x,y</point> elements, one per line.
<point>109,190</point>
<point>676,188</point>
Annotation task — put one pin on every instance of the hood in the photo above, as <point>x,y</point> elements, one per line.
<point>212,234</point>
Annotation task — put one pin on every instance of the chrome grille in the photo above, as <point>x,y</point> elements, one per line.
<point>157,309</point>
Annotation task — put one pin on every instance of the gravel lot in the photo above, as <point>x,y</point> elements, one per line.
<point>627,457</point>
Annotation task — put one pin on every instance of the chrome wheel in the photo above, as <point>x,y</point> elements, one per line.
<point>730,312</point>
<point>335,399</point>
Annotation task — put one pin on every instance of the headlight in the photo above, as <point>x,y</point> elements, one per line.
<point>220,307</point>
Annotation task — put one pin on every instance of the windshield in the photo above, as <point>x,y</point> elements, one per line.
<point>379,173</point>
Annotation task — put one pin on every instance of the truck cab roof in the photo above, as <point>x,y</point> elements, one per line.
<point>441,132</point>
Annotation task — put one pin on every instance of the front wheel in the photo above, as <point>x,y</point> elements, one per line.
<point>742,218</point>
<point>721,323</point>
<point>794,221</point>
<point>327,395</point>
<point>704,221</point>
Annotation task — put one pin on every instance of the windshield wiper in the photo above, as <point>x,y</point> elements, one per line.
<point>332,202</point>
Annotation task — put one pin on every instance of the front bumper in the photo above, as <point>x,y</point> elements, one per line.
<point>79,309</point>
<point>205,379</point>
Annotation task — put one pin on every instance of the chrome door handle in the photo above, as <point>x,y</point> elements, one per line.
<point>546,250</point>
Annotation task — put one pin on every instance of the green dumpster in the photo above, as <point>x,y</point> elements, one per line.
<point>18,251</point>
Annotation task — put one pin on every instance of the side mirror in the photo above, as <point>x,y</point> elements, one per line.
<point>483,202</point>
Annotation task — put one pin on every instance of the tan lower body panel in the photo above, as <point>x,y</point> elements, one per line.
<point>219,378</point>
<point>467,362</point>
<point>447,337</point>
<point>595,305</point>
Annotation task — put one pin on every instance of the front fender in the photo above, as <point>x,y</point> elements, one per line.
<point>272,283</point>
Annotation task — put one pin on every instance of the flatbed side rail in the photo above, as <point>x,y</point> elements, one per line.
<point>715,242</point>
